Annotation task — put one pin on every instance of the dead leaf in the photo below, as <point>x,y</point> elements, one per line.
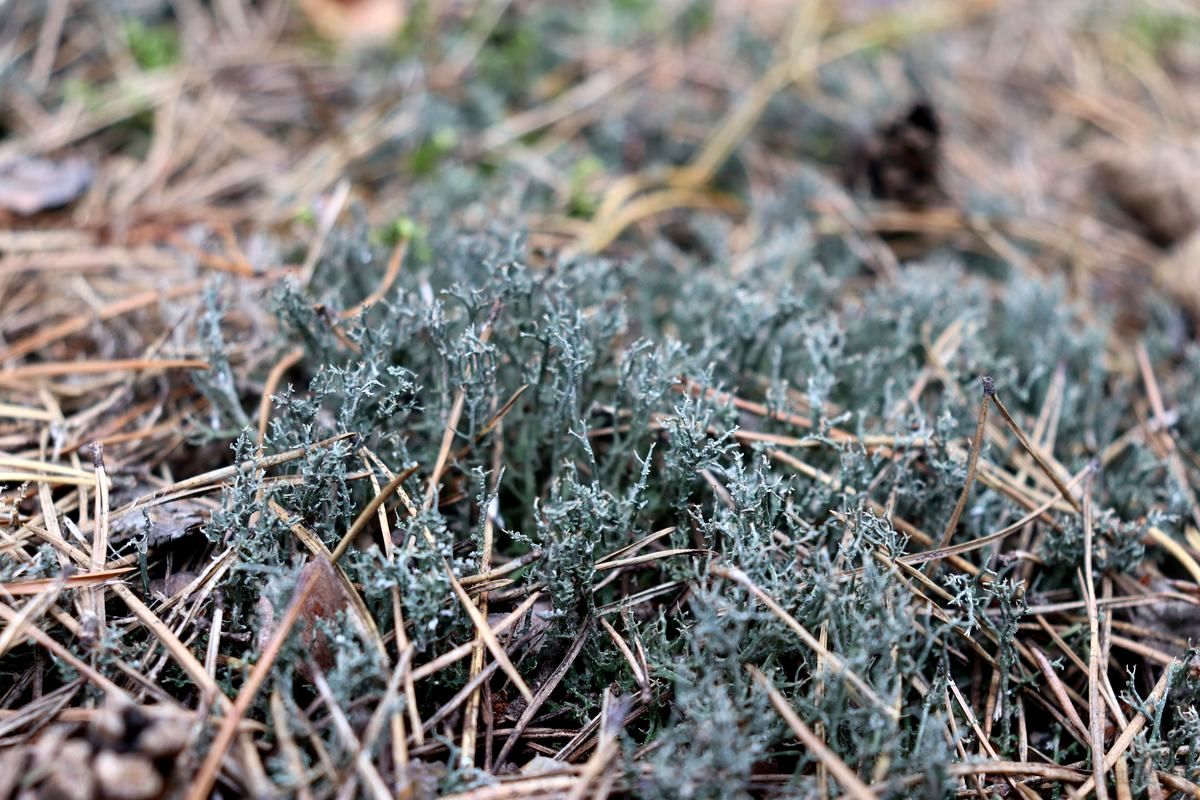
<point>30,185</point>
<point>326,599</point>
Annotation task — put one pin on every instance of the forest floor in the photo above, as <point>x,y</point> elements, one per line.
<point>511,399</point>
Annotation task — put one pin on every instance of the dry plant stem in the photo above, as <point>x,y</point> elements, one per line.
<point>989,391</point>
<point>400,674</point>
<point>206,776</point>
<point>851,783</point>
<point>399,737</point>
<point>463,650</point>
<point>39,586</point>
<point>214,640</point>
<point>634,667</point>
<point>477,619</point>
<point>1163,540</point>
<point>460,697</point>
<point>553,786</point>
<point>1059,691</point>
<point>1166,441</point>
<point>984,744</point>
<point>837,666</point>
<point>612,719</point>
<point>182,655</point>
<point>456,409</point>
<point>58,369</point>
<point>914,559</point>
<point>402,644</point>
<point>364,517</point>
<point>819,695</point>
<point>1037,455</point>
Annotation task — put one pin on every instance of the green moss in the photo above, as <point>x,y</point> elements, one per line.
<point>152,46</point>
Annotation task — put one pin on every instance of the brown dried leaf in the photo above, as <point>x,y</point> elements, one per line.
<point>326,599</point>
<point>30,185</point>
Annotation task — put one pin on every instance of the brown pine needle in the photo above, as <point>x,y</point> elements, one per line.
<point>206,776</point>
<point>842,773</point>
<point>389,277</point>
<point>1036,453</point>
<point>836,664</point>
<point>289,360</point>
<point>1096,715</point>
<point>989,391</point>
<point>76,581</point>
<point>58,369</point>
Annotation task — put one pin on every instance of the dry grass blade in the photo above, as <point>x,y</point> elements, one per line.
<point>362,763</point>
<point>1178,551</point>
<point>100,534</point>
<point>395,261</point>
<point>1059,691</point>
<point>1128,734</point>
<point>14,375</point>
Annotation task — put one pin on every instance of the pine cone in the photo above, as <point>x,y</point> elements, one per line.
<point>901,159</point>
<point>126,753</point>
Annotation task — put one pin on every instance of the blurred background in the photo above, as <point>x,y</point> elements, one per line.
<point>1054,138</point>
